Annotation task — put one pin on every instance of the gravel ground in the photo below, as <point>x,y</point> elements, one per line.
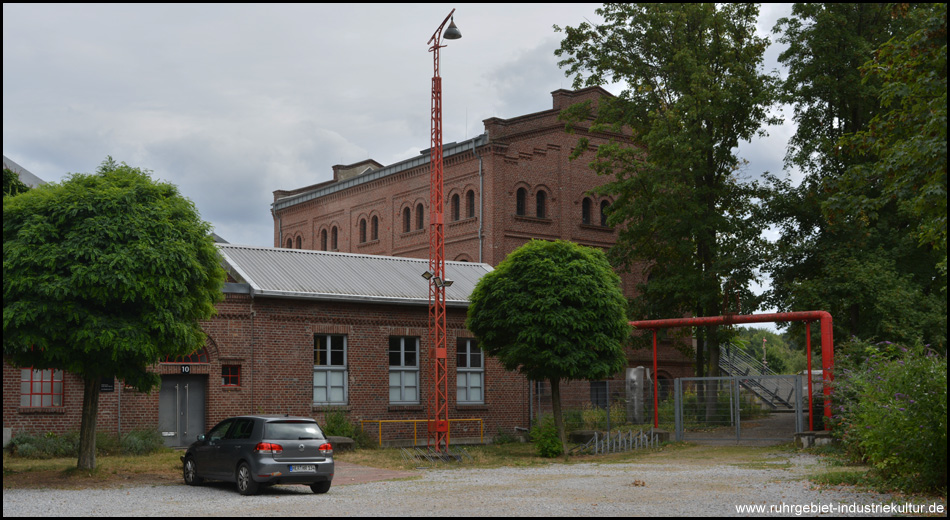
<point>691,488</point>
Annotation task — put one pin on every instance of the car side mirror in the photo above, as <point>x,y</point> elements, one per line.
<point>201,438</point>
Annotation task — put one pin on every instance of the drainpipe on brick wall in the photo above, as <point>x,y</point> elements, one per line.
<point>253,367</point>
<point>481,204</point>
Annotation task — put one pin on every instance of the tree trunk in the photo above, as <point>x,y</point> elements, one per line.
<point>87,430</point>
<point>558,420</point>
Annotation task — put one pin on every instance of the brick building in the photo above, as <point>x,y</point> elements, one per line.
<point>513,183</point>
<point>300,332</point>
<point>336,316</point>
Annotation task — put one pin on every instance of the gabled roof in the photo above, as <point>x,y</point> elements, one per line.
<point>320,275</point>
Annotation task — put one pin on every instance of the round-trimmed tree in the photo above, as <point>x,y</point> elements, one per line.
<point>105,275</point>
<point>552,311</point>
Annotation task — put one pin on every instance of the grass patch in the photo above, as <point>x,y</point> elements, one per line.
<point>162,467</point>
<point>850,477</point>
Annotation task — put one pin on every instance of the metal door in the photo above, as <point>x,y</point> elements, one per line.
<point>181,409</point>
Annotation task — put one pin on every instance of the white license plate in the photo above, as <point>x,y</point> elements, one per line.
<point>307,468</point>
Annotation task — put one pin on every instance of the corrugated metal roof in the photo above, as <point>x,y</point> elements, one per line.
<point>320,275</point>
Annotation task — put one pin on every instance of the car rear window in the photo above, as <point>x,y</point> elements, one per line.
<point>292,430</point>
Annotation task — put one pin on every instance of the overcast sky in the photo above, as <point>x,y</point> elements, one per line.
<point>231,102</point>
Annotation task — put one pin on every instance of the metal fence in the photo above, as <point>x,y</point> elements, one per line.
<point>738,408</point>
<point>599,405</point>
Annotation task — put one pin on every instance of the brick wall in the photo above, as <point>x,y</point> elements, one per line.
<point>272,341</point>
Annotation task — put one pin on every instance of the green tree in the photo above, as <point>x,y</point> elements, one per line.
<point>104,275</point>
<point>908,137</point>
<point>12,185</point>
<point>552,311</point>
<point>692,89</point>
<point>863,267</point>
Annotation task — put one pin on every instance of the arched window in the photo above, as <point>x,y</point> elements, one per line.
<point>456,207</point>
<point>520,201</point>
<point>374,231</point>
<point>541,210</point>
<point>420,216</point>
<point>406,220</point>
<point>585,211</point>
<point>603,212</point>
<point>290,243</point>
<point>362,230</point>
<point>299,242</point>
<point>323,240</point>
<point>333,236</point>
<point>470,203</point>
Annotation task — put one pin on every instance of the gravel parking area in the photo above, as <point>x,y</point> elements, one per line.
<point>691,488</point>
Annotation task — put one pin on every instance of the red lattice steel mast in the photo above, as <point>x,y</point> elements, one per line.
<point>439,397</point>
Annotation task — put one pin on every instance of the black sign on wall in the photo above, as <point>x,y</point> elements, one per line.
<point>107,384</point>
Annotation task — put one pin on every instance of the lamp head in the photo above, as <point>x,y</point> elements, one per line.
<point>452,32</point>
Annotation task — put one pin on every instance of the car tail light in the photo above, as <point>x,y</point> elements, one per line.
<point>326,448</point>
<point>269,448</point>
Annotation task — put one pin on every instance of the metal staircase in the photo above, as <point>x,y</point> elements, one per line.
<point>775,392</point>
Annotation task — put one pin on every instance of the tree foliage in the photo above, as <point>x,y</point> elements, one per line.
<point>839,251</point>
<point>907,139</point>
<point>12,185</point>
<point>552,311</point>
<point>692,89</point>
<point>105,275</point>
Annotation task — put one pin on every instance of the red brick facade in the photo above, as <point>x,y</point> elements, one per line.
<point>272,341</point>
<point>529,152</point>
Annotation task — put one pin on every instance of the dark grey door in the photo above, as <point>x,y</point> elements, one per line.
<point>181,409</point>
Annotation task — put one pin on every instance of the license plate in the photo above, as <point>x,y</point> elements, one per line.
<point>307,468</point>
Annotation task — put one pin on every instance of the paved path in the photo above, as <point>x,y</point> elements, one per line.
<point>349,473</point>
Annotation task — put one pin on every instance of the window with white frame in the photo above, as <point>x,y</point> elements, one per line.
<point>403,370</point>
<point>329,369</point>
<point>471,373</point>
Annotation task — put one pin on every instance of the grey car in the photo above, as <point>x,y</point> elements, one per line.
<point>256,450</point>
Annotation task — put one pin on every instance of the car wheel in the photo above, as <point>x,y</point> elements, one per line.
<point>246,484</point>
<point>190,472</point>
<point>320,487</point>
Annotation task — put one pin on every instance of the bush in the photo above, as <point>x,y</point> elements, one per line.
<point>545,438</point>
<point>51,445</point>
<point>141,442</point>
<point>45,445</point>
<point>891,411</point>
<point>337,424</point>
<point>595,418</point>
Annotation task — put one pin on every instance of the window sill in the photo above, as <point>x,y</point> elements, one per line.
<point>28,410</point>
<point>336,407</point>
<point>473,407</point>
<point>406,408</point>
<point>534,219</point>
<point>595,227</point>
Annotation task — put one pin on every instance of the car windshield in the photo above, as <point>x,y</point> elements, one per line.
<point>292,430</point>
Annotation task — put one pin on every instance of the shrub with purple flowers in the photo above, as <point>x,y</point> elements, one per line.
<point>890,404</point>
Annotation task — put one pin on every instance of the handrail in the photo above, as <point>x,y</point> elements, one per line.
<point>415,427</point>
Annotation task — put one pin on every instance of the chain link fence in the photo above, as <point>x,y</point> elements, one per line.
<point>738,408</point>
<point>601,405</point>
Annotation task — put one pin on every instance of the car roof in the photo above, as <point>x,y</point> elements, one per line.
<point>275,417</point>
